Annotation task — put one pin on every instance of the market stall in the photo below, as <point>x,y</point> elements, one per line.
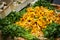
<point>31,20</point>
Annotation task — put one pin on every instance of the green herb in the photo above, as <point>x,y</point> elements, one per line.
<point>44,3</point>
<point>12,17</point>
<point>16,31</point>
<point>52,31</point>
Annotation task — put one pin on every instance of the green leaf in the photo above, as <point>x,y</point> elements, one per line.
<point>52,30</point>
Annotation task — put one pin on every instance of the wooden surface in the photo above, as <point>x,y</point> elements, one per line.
<point>15,8</point>
<point>5,11</point>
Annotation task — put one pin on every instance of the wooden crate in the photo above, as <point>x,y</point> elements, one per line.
<point>7,10</point>
<point>11,7</point>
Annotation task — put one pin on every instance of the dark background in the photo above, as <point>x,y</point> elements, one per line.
<point>56,1</point>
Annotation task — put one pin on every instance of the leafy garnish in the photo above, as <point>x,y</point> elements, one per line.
<point>52,31</point>
<point>16,31</point>
<point>44,3</point>
<point>12,17</point>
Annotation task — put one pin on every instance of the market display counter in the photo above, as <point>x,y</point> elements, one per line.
<point>37,21</point>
